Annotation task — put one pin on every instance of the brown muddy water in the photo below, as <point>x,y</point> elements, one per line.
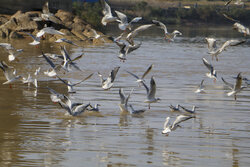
<point>35,132</point>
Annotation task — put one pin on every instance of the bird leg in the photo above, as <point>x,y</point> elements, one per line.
<point>148,105</point>
<point>235,98</point>
<point>217,58</point>
<point>10,86</point>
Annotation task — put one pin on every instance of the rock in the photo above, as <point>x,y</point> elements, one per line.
<point>79,35</point>
<point>2,34</point>
<point>78,27</point>
<point>66,32</point>
<point>24,22</point>
<point>64,16</point>
<point>3,19</point>
<point>15,35</point>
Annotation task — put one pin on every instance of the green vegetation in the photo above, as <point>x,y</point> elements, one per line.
<point>90,12</point>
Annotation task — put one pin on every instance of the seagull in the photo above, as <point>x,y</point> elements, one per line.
<point>232,42</point>
<point>55,96</point>
<point>70,85</point>
<point>174,108</point>
<point>73,109</point>
<point>67,61</point>
<point>108,83</point>
<point>108,17</point>
<point>211,44</point>
<point>123,22</point>
<point>48,30</point>
<point>125,50</point>
<point>124,100</point>
<point>189,111</point>
<point>235,88</point>
<point>169,36</point>
<point>52,71</point>
<point>139,80</point>
<point>30,79</point>
<point>133,111</point>
<point>200,88</point>
<point>52,56</point>
<point>48,16</point>
<point>168,127</point>
<point>132,34</point>
<point>151,92</point>
<point>95,108</point>
<point>9,73</point>
<point>11,50</point>
<point>36,39</point>
<point>66,41</point>
<point>241,28</point>
<point>212,73</point>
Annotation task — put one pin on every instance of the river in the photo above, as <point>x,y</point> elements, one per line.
<point>35,132</point>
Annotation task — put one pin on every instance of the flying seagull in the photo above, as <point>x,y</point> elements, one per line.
<point>212,73</point>
<point>123,22</point>
<point>108,83</point>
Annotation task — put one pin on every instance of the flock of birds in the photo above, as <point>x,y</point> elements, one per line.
<point>69,64</point>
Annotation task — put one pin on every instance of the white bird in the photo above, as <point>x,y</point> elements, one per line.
<point>167,35</point>
<point>95,108</point>
<point>212,73</point>
<point>108,17</point>
<point>216,51</point>
<point>151,92</point>
<point>9,73</point>
<point>73,109</point>
<point>139,80</point>
<point>109,82</point>
<point>200,88</point>
<point>133,111</point>
<point>51,72</point>
<point>168,127</point>
<point>211,44</point>
<point>192,111</point>
<point>52,56</point>
<point>174,108</point>
<point>67,61</point>
<point>124,100</point>
<point>131,35</point>
<point>241,28</point>
<point>55,96</point>
<point>235,88</point>
<point>11,50</point>
<point>123,22</point>
<point>60,40</point>
<point>48,16</point>
<point>36,39</point>
<point>125,50</point>
<point>48,30</point>
<point>71,85</point>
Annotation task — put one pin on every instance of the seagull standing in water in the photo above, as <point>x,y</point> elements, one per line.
<point>109,82</point>
<point>169,36</point>
<point>108,17</point>
<point>168,127</point>
<point>9,73</point>
<point>212,74</point>
<point>174,108</point>
<point>140,80</point>
<point>124,100</point>
<point>200,88</point>
<point>70,85</point>
<point>151,92</point>
<point>123,22</point>
<point>235,88</point>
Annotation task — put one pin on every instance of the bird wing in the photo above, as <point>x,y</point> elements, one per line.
<point>228,2</point>
<point>139,29</point>
<point>63,81</point>
<point>49,61</point>
<point>122,96</point>
<point>152,89</point>
<point>6,46</point>
<point>46,8</point>
<point>80,108</point>
<point>161,25</point>
<point>181,118</point>
<point>166,123</point>
<point>48,30</point>
<point>113,73</point>
<point>238,82</point>
<point>83,80</point>
<point>107,9</point>
<point>126,100</point>
<point>231,86</point>
<point>131,48</point>
<point>147,71</point>
<point>207,64</point>
<point>228,17</point>
<point>122,16</point>
<point>211,44</point>
<point>136,19</point>
<point>132,74</point>
<point>121,45</point>
<point>8,70</point>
